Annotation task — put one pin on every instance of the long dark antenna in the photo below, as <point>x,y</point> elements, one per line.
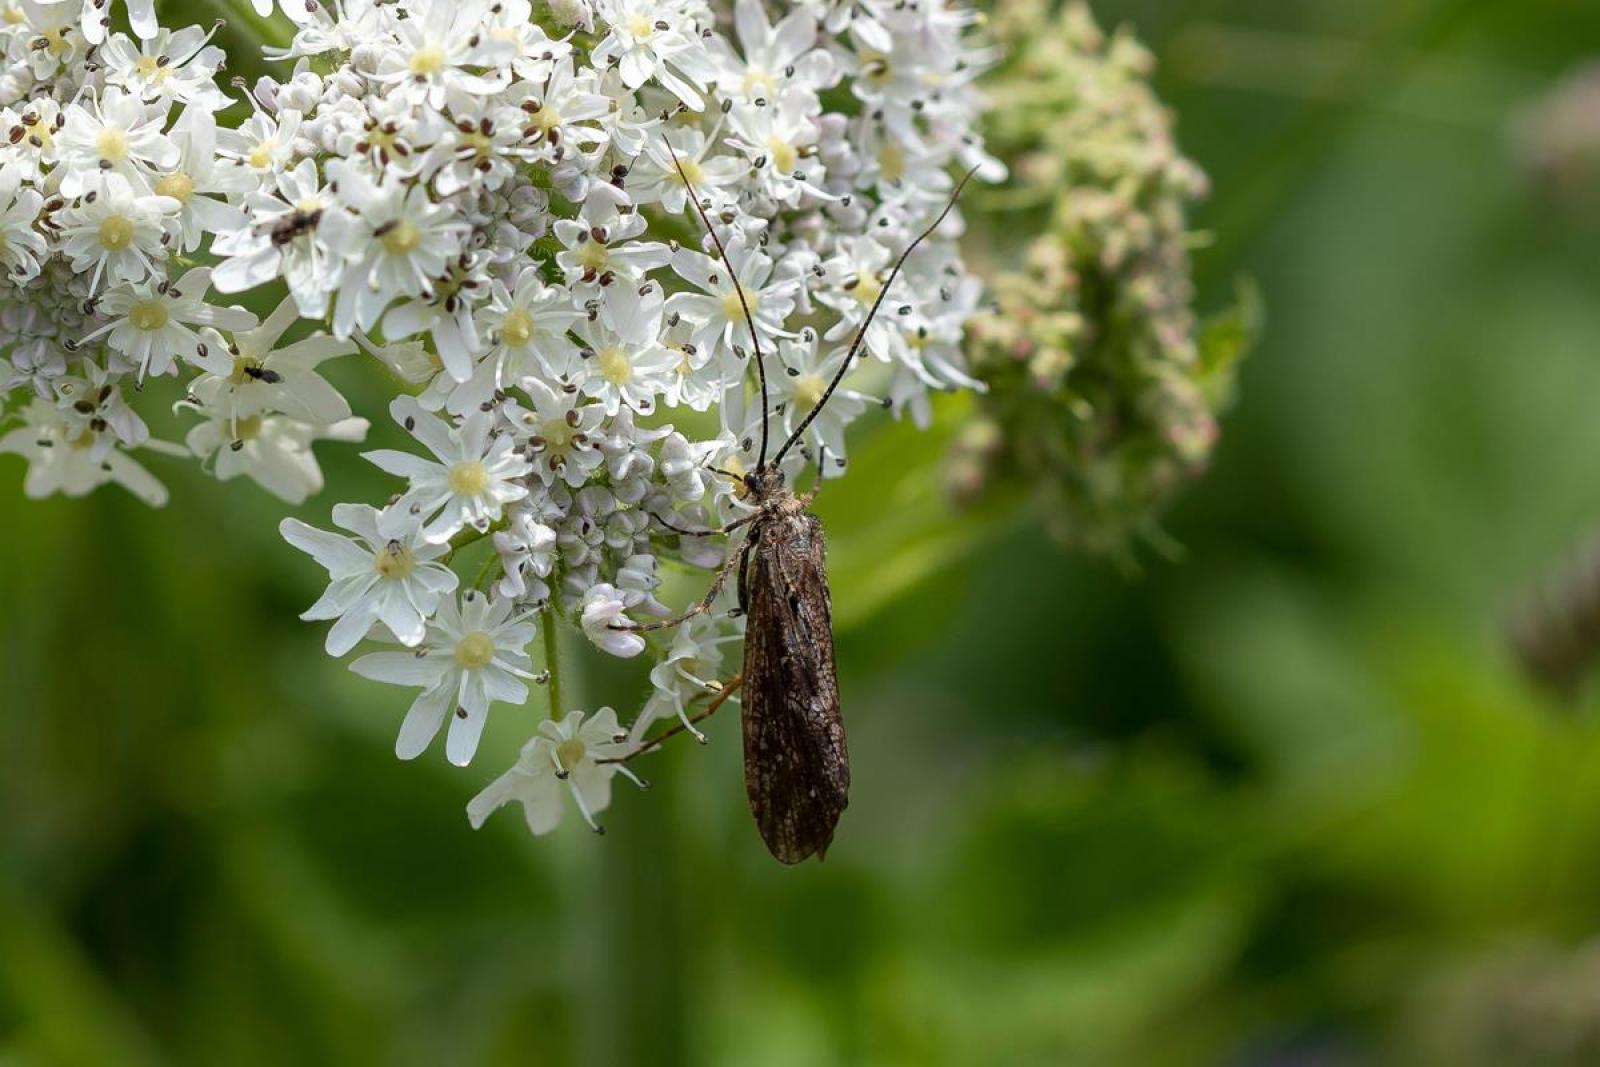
<point>738,287</point>
<point>861,331</point>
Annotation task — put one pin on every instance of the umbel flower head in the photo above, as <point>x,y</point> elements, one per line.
<point>1102,390</point>
<point>501,203</point>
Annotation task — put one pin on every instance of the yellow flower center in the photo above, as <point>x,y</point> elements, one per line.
<point>427,60</point>
<point>14,16</point>
<point>784,156</point>
<point>867,287</point>
<point>693,172</point>
<point>732,310</point>
<point>112,144</point>
<point>760,80</point>
<point>468,479</point>
<point>482,144</point>
<point>261,155</point>
<point>875,66</point>
<point>474,650</point>
<point>557,435</point>
<point>148,315</point>
<point>401,238</point>
<point>116,233</point>
<point>808,390</point>
<point>570,753</point>
<point>593,256</point>
<point>892,161</point>
<point>641,28</point>
<point>58,45</point>
<point>517,328</point>
<point>616,367</point>
<point>39,131</point>
<point>395,561</point>
<point>546,118</point>
<point>247,428</point>
<point>178,186</point>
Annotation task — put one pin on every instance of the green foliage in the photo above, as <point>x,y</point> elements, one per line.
<point>1101,394</point>
<point>1287,801</point>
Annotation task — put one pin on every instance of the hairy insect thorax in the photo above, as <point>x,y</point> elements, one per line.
<point>768,490</point>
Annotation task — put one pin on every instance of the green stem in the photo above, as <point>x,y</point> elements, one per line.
<point>547,623</point>
<point>485,572</point>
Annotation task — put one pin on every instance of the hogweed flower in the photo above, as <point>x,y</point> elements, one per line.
<point>1103,390</point>
<point>493,202</point>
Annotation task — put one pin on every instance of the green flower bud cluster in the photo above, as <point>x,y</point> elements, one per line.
<point>1103,390</point>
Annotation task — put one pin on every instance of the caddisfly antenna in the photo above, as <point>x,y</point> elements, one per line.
<point>738,287</point>
<point>861,331</point>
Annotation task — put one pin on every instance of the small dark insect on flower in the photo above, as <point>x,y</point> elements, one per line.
<point>796,766</point>
<point>294,224</point>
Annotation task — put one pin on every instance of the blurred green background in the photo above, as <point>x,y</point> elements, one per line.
<point>1286,801</point>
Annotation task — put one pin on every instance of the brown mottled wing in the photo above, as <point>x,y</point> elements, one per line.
<point>796,769</point>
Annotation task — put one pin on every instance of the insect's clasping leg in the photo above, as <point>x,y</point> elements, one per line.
<point>711,709</point>
<point>699,609</point>
<point>816,486</point>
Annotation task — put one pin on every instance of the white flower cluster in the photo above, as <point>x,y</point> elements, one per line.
<point>492,199</point>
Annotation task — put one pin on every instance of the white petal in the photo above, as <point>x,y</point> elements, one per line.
<point>401,668</point>
<point>338,555</point>
<point>422,722</point>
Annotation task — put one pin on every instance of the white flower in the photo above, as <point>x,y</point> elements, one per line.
<point>262,377</point>
<point>65,459</point>
<point>198,173</point>
<point>30,147</point>
<point>405,239</point>
<point>274,451</point>
<point>780,140</point>
<point>21,246</point>
<point>527,556</point>
<point>445,313</point>
<point>716,309</point>
<point>528,326</point>
<point>392,577</point>
<point>469,659</point>
<point>778,60</point>
<point>655,39</point>
<point>179,65</point>
<point>558,115</point>
<point>473,476</point>
<point>691,669</point>
<point>486,196</point>
<point>626,364</point>
<point>299,231</point>
<point>655,177</point>
<point>440,41</point>
<point>152,324</point>
<point>566,754</point>
<point>116,134</point>
<point>262,143</point>
<point>603,609</point>
<point>600,244</point>
<point>801,386</point>
<point>563,434</point>
<point>113,233</point>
